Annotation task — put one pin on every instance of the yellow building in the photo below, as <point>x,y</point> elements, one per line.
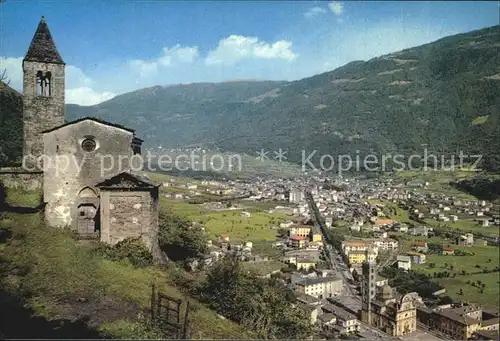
<point>304,264</point>
<point>298,242</point>
<point>459,323</point>
<point>316,237</point>
<point>300,230</point>
<point>357,257</point>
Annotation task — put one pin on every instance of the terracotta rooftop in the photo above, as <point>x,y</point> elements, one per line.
<point>42,47</point>
<point>384,221</point>
<point>420,244</point>
<point>356,243</point>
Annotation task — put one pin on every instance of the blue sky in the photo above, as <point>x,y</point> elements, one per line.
<point>111,47</point>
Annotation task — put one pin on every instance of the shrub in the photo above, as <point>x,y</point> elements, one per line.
<point>131,249</point>
<point>179,239</point>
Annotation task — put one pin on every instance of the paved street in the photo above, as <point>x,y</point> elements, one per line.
<point>349,297</point>
<point>331,254</point>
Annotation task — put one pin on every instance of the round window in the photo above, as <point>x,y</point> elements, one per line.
<point>89,145</point>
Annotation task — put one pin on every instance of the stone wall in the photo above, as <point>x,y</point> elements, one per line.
<point>64,182</point>
<point>41,113</point>
<point>129,214</point>
<point>21,179</point>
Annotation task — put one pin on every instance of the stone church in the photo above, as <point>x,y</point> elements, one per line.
<point>386,309</point>
<point>89,168</point>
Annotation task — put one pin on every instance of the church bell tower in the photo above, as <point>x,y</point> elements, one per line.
<point>43,91</point>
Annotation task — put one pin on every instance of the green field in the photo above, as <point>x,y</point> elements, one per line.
<point>485,257</point>
<point>400,215</point>
<point>488,298</point>
<point>464,226</point>
<point>257,227</point>
<point>438,181</point>
<point>467,263</point>
<point>161,177</point>
<point>438,176</point>
<point>256,206</point>
<point>408,240</point>
<point>480,120</point>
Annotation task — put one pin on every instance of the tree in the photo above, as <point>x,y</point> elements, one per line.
<point>4,78</point>
<point>460,292</point>
<point>178,239</point>
<point>264,306</point>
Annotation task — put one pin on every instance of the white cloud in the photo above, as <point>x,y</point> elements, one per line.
<point>336,7</point>
<point>14,71</point>
<point>86,96</point>
<point>79,87</point>
<point>314,12</point>
<point>236,48</point>
<point>169,57</point>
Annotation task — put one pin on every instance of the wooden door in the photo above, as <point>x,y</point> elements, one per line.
<point>86,219</point>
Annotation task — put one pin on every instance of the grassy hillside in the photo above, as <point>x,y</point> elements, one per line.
<point>73,292</point>
<point>176,115</point>
<point>444,94</point>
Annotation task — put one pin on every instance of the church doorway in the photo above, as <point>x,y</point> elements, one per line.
<point>88,214</point>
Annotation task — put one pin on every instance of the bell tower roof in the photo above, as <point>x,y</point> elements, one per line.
<point>42,48</point>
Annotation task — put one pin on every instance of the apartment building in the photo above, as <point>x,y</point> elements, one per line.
<point>461,322</point>
<point>321,287</point>
<point>346,323</point>
<point>349,246</point>
<point>300,230</point>
<point>386,244</point>
<point>359,257</point>
<point>416,257</point>
<point>404,262</point>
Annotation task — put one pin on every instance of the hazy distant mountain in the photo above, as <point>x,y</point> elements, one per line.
<point>178,115</point>
<point>445,94</point>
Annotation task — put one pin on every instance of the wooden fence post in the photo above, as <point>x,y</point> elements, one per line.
<point>186,321</point>
<point>153,301</point>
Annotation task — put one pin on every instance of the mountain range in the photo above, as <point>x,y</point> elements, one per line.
<point>443,96</point>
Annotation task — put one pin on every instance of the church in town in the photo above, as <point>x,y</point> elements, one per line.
<point>97,190</point>
<point>384,308</point>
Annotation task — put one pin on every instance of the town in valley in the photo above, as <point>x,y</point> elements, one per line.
<point>98,239</point>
